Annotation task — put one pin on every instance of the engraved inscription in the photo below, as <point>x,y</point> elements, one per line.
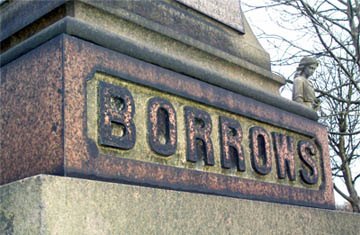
<point>261,154</point>
<point>198,130</point>
<point>307,151</point>
<point>284,153</point>
<point>117,110</point>
<point>231,136</point>
<point>226,11</point>
<point>162,129</point>
<point>177,132</point>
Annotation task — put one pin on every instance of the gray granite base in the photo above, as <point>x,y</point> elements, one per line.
<point>61,205</point>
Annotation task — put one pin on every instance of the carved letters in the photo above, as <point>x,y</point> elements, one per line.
<point>198,130</point>
<point>231,135</point>
<point>117,129</point>
<point>162,129</point>
<point>117,109</point>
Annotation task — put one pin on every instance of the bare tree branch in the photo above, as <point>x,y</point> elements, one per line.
<point>341,193</point>
<point>356,178</point>
<point>333,27</point>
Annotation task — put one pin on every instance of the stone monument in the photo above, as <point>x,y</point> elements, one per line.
<point>157,117</point>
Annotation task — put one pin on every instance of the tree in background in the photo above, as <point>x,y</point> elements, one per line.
<point>328,30</point>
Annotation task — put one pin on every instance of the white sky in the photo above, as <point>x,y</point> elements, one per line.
<point>264,20</point>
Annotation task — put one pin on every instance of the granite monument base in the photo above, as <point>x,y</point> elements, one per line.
<point>167,94</point>
<point>60,205</point>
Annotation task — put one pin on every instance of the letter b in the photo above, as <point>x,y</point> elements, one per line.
<point>117,110</point>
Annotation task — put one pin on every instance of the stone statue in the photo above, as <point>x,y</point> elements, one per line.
<point>303,91</point>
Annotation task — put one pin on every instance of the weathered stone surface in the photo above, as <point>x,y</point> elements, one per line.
<point>161,32</point>
<point>58,205</point>
<point>31,121</point>
<point>142,37</point>
<point>133,140</point>
<point>74,147</point>
<point>74,108</point>
<point>225,11</point>
<point>20,204</point>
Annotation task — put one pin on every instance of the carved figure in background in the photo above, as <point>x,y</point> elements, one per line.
<point>303,91</point>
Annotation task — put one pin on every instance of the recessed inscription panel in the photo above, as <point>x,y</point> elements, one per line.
<point>226,11</point>
<point>177,132</point>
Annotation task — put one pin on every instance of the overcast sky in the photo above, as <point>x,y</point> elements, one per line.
<point>263,20</point>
